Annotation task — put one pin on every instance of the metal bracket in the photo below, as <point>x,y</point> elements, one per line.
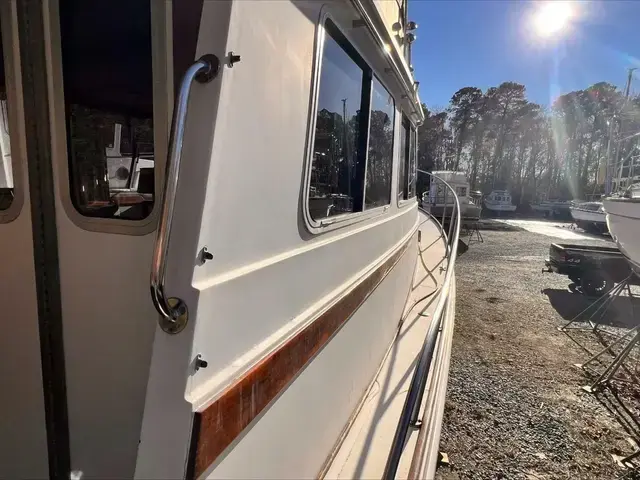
<point>205,75</point>
<point>177,324</point>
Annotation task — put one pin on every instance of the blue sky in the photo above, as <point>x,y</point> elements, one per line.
<point>483,43</point>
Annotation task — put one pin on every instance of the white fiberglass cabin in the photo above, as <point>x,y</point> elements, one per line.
<point>499,201</point>
<point>210,243</point>
<point>439,202</point>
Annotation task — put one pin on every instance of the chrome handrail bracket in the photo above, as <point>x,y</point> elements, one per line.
<point>173,311</point>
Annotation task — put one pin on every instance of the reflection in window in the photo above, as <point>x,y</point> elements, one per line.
<point>337,171</point>
<point>380,159</point>
<point>6,170</point>
<point>407,171</point>
<point>412,168</point>
<point>402,167</point>
<point>106,61</point>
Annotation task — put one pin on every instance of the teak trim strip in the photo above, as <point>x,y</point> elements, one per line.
<point>216,427</point>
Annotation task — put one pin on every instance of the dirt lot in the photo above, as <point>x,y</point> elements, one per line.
<point>515,409</point>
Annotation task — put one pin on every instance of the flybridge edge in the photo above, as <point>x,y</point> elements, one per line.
<point>373,18</point>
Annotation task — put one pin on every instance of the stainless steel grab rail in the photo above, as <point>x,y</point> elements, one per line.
<point>173,311</point>
<point>415,394</point>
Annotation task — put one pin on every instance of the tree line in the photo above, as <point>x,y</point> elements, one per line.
<point>504,141</point>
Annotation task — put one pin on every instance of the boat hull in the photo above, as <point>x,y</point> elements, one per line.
<point>623,220</point>
<point>470,211</point>
<point>500,207</point>
<point>589,218</point>
<point>541,208</point>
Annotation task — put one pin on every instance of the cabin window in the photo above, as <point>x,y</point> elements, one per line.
<point>402,167</point>
<point>339,149</point>
<point>412,172</point>
<point>6,167</point>
<point>380,158</point>
<point>407,164</point>
<point>108,84</point>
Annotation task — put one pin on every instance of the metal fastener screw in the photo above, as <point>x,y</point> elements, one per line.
<point>233,59</point>
<point>205,255</point>
<point>200,363</point>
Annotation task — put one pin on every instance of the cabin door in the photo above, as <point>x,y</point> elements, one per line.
<point>85,105</point>
<point>24,352</point>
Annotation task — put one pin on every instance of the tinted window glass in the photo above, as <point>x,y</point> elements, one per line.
<point>380,159</point>
<point>411,168</point>
<point>6,169</point>
<point>108,84</point>
<point>337,171</point>
<point>402,167</point>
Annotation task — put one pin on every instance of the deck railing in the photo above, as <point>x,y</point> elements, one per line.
<point>415,395</point>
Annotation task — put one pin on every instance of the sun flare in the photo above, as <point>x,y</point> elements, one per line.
<point>552,17</point>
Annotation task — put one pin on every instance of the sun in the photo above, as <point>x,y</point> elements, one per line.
<point>552,17</point>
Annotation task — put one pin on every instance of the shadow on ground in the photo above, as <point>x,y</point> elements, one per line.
<point>569,304</point>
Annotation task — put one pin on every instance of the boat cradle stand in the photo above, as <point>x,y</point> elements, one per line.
<point>623,353</point>
<point>471,229</point>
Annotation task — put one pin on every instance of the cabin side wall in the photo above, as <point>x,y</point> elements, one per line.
<point>312,270</point>
<point>270,276</point>
<point>298,432</point>
<point>252,222</point>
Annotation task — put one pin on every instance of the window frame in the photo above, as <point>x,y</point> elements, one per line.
<point>349,218</point>
<point>15,112</point>
<point>405,157</point>
<point>162,74</point>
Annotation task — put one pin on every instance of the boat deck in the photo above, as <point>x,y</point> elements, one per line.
<point>366,445</point>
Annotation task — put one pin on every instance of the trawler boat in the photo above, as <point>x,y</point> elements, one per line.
<point>439,202</point>
<point>259,312</point>
<point>623,220</point>
<point>553,208</point>
<point>498,202</point>
<point>542,208</point>
<point>559,208</point>
<point>590,216</point>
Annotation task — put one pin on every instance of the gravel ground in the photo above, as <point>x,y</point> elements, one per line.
<point>515,409</point>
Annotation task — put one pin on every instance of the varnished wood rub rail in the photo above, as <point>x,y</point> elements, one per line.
<point>215,428</point>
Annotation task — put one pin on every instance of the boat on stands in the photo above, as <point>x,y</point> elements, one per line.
<point>238,285</point>
<point>541,208</point>
<point>553,208</point>
<point>589,216</point>
<point>438,203</point>
<point>499,202</point>
<point>559,208</point>
<point>623,221</point>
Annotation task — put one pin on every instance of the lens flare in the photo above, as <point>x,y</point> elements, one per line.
<point>553,17</point>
